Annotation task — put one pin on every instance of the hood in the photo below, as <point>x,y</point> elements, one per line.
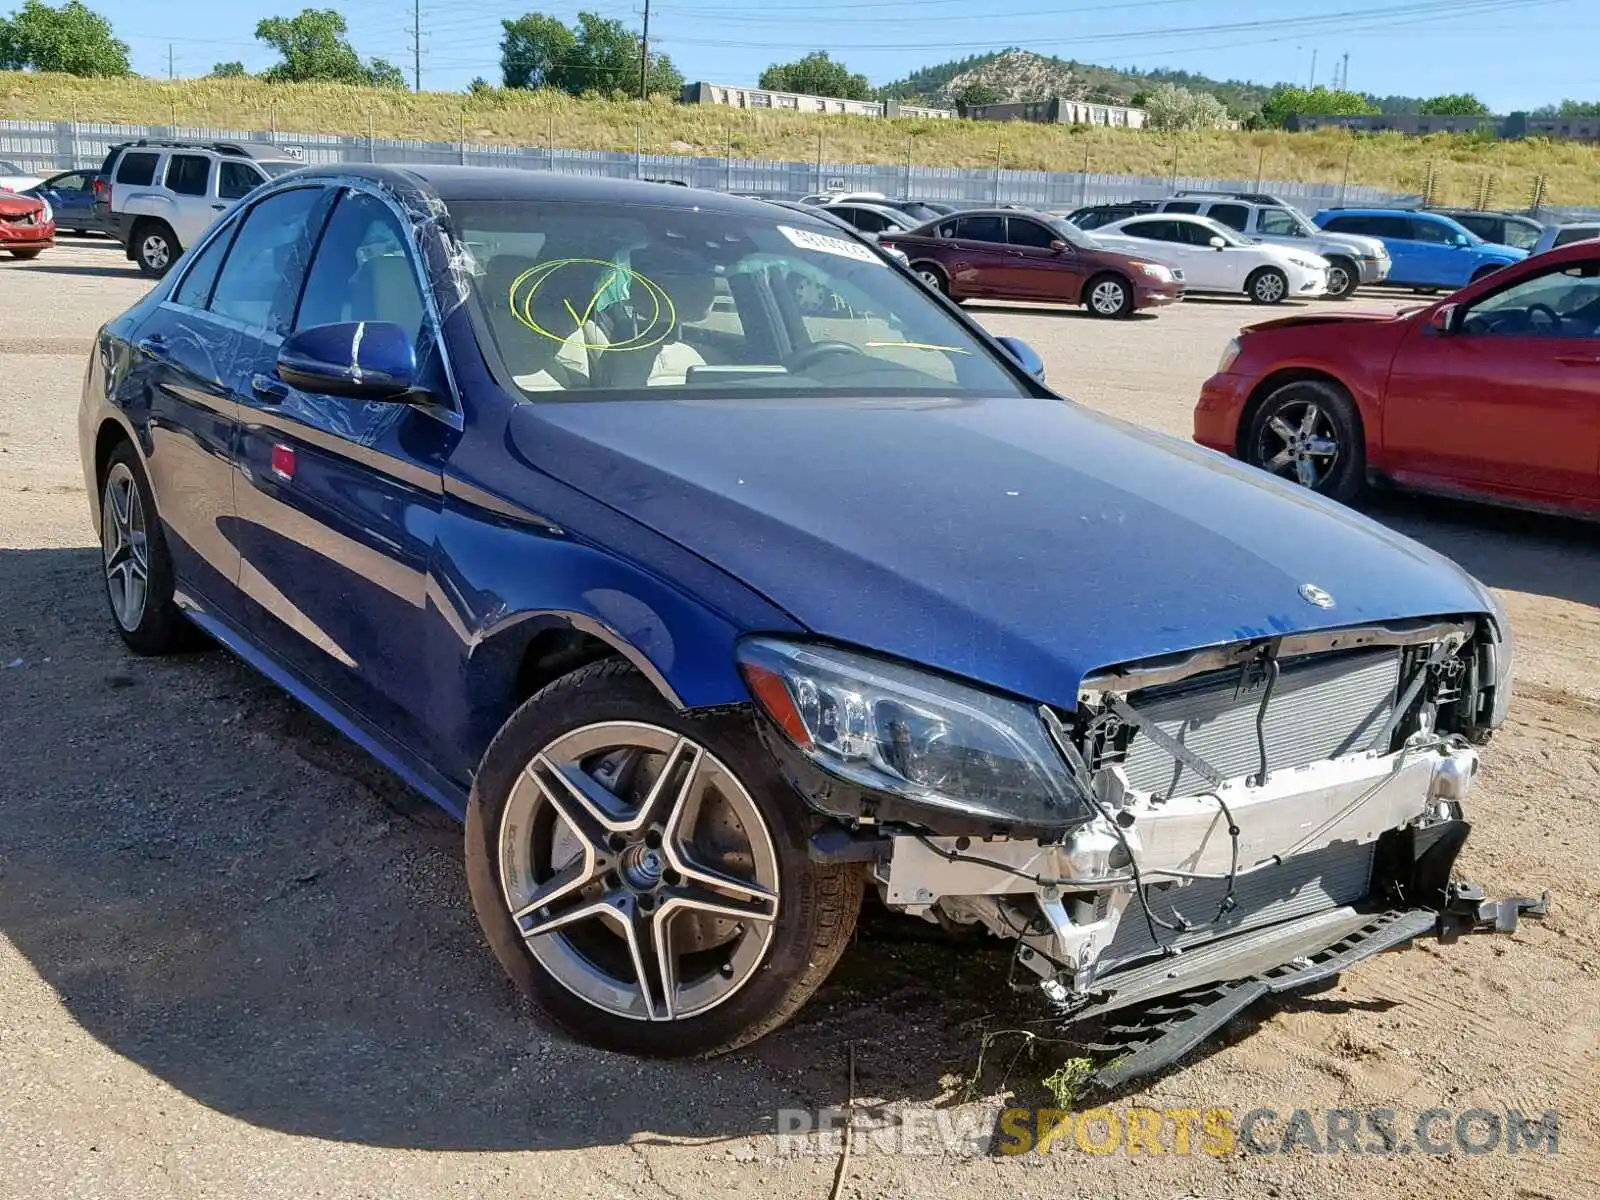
<point>1284,254</point>
<point>1019,542</point>
<point>1512,253</point>
<point>1342,317</point>
<point>1369,247</point>
<point>13,205</point>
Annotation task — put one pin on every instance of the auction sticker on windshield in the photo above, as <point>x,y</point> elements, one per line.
<point>824,244</point>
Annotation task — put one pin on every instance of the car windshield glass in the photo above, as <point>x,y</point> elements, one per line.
<point>1523,237</point>
<point>274,169</point>
<point>1300,221</point>
<point>1073,236</point>
<point>585,303</point>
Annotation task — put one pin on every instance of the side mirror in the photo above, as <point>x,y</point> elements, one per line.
<point>1442,320</point>
<point>1059,247</point>
<point>361,360</point>
<point>1025,355</point>
<point>1461,241</point>
<point>1217,243</point>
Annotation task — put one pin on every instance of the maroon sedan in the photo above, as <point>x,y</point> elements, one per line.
<point>1004,254</point>
<point>1492,393</point>
<point>26,230</point>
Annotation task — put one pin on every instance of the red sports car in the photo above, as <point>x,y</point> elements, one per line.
<point>25,226</point>
<point>1492,393</point>
<point>1010,254</point>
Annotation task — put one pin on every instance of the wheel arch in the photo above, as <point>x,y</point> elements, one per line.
<point>110,433</point>
<point>1288,375</point>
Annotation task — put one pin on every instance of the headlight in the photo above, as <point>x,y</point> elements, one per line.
<point>1307,264</point>
<point>894,729</point>
<point>1156,271</point>
<point>1230,354</point>
<point>48,214</point>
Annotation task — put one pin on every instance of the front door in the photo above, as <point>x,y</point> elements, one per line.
<point>1039,270</point>
<point>1508,400</point>
<point>339,500</point>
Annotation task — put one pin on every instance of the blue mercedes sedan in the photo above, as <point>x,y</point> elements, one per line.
<point>714,571</point>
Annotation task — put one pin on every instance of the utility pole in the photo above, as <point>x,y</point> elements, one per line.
<point>416,45</point>
<point>1344,75</point>
<point>1313,67</point>
<point>171,73</point>
<point>644,56</point>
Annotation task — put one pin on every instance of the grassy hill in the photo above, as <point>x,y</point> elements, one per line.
<point>530,118</point>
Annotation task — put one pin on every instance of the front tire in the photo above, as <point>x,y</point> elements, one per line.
<point>1267,286</point>
<point>1309,433</point>
<point>138,573</point>
<point>1343,278</point>
<point>155,247</point>
<point>26,255</point>
<point>934,277</point>
<point>1108,296</point>
<point>643,875</point>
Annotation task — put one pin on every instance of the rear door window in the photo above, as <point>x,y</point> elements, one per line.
<point>1180,206</point>
<point>981,229</point>
<point>261,278</point>
<point>1234,216</point>
<point>137,169</point>
<point>195,289</point>
<point>1156,231</point>
<point>188,174</point>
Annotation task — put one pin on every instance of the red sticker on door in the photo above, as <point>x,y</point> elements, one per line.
<point>283,462</point>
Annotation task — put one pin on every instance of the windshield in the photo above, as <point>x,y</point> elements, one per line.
<point>1523,237</point>
<point>1073,236</point>
<point>584,302</point>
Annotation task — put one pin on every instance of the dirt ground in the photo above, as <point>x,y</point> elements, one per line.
<point>237,959</point>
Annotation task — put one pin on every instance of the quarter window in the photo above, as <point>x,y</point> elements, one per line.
<point>187,174</point>
<point>259,281</point>
<point>1581,234</point>
<point>137,170</point>
<point>1181,206</point>
<point>363,270</point>
<point>202,273</point>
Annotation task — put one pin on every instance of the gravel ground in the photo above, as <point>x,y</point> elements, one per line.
<point>236,959</point>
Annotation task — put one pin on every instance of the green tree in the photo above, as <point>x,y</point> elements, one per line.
<point>1569,108</point>
<point>975,94</point>
<point>227,70</point>
<point>1461,104</point>
<point>1170,107</point>
<point>1287,100</point>
<point>73,39</point>
<point>816,75</point>
<point>598,55</point>
<point>315,47</point>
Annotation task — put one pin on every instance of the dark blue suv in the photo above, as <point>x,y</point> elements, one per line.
<point>1429,250</point>
<point>714,570</point>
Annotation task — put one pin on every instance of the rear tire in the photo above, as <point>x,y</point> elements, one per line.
<point>138,577</point>
<point>1343,278</point>
<point>605,726</point>
<point>26,255</point>
<point>1483,272</point>
<point>1309,432</point>
<point>1268,285</point>
<point>1109,297</point>
<point>154,247</point>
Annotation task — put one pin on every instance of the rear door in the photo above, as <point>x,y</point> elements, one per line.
<point>339,499</point>
<point>188,178</point>
<point>1509,402</point>
<point>980,262</point>
<point>1039,270</point>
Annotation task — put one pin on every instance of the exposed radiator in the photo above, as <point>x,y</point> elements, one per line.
<point>1305,884</point>
<point>1323,706</point>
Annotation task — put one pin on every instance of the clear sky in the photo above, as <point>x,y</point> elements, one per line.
<point>1512,53</point>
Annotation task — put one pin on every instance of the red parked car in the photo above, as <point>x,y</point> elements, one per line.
<point>25,230</point>
<point>1492,393</point>
<point>1007,254</point>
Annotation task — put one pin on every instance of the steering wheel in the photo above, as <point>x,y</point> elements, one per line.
<point>1536,307</point>
<point>820,350</point>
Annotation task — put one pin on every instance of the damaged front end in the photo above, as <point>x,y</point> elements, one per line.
<point>1228,822</point>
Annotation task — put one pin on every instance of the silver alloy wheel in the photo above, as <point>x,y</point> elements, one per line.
<point>1270,287</point>
<point>155,251</point>
<point>126,547</point>
<point>932,278</point>
<point>1338,279</point>
<point>638,870</point>
<point>1108,297</point>
<point>1300,442</point>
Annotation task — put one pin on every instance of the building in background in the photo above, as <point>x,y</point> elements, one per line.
<point>1516,125</point>
<point>1060,112</point>
<point>761,98</point>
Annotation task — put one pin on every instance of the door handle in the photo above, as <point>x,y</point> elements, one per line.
<point>1578,360</point>
<point>274,391</point>
<point>219,207</point>
<point>151,344</point>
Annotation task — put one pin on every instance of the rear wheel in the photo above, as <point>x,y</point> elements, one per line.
<point>137,567</point>
<point>26,255</point>
<point>1267,286</point>
<point>155,247</point>
<point>1108,296</point>
<point>644,875</point>
<point>1309,433</point>
<point>1343,278</point>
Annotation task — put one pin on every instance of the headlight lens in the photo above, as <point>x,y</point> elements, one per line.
<point>895,729</point>
<point>1156,270</point>
<point>1230,353</point>
<point>1307,264</point>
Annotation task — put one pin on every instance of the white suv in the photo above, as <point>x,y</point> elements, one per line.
<point>164,195</point>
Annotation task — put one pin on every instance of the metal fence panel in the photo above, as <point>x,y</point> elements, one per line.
<point>43,147</point>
